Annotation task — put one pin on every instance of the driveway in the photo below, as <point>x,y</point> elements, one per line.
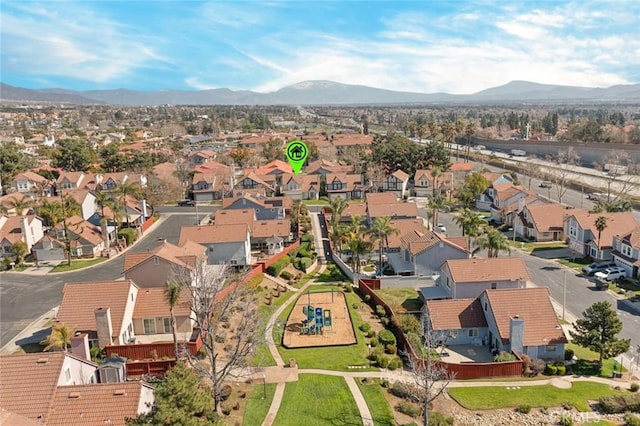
<point>24,298</point>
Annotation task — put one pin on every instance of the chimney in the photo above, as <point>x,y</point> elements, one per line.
<point>104,326</point>
<point>516,334</point>
<point>80,346</point>
<point>143,208</point>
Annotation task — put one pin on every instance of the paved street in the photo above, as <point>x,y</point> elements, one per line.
<point>24,298</point>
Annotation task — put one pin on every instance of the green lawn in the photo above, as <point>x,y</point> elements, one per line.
<point>377,403</point>
<point>587,364</point>
<point>624,287</point>
<point>327,357</point>
<point>77,264</point>
<point>492,397</point>
<point>262,356</point>
<point>531,247</point>
<point>576,264</point>
<point>315,202</point>
<point>317,400</point>
<point>257,405</point>
<point>400,299</point>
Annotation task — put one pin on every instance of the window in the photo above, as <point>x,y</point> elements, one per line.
<point>149,326</point>
<point>473,332</point>
<point>156,261</point>
<point>494,286</point>
<point>167,324</point>
<point>550,348</point>
<point>573,231</point>
<point>233,262</point>
<point>130,329</point>
<point>626,250</point>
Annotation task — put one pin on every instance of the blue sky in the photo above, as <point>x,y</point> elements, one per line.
<point>453,46</point>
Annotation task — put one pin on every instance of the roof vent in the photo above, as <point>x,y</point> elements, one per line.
<point>74,395</point>
<point>119,392</point>
<point>42,360</point>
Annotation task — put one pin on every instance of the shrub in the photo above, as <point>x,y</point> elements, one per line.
<point>355,305</point>
<point>395,363</point>
<point>306,238</point>
<point>303,263</point>
<point>225,392</point>
<point>386,337</point>
<point>565,420</point>
<point>561,370</point>
<point>382,360</point>
<point>347,288</point>
<point>373,342</point>
<point>384,321</point>
<point>286,275</point>
<point>391,349</point>
<point>612,404</point>
<point>631,420</point>
<point>401,390</point>
<point>504,357</point>
<point>371,334</point>
<point>128,234</point>
<point>365,326</point>
<point>409,323</point>
<point>526,364</point>
<point>523,408</point>
<point>255,281</point>
<point>568,354</point>
<point>634,387</point>
<point>409,409</point>
<point>276,267</point>
<point>367,298</point>
<point>538,366</point>
<point>380,312</point>
<point>550,370</point>
<point>439,419</point>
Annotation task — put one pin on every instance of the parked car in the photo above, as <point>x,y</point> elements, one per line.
<point>596,196</point>
<point>441,228</point>
<point>545,184</point>
<point>597,267</point>
<point>186,203</point>
<point>611,274</point>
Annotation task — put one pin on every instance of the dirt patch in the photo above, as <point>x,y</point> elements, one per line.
<point>398,417</point>
<point>339,333</point>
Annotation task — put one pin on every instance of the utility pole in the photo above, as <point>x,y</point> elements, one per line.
<point>564,294</point>
<point>67,240</point>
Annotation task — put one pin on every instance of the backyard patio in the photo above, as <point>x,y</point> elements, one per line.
<point>462,354</point>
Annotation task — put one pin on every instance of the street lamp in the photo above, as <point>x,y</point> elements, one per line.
<point>264,386</point>
<point>564,294</point>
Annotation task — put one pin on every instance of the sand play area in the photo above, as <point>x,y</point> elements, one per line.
<point>339,333</point>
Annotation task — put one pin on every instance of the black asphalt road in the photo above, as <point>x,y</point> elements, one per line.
<point>24,298</point>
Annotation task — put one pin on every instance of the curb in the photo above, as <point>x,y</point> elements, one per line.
<point>44,318</point>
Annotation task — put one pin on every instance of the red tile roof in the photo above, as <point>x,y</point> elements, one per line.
<point>96,404</point>
<point>184,256</point>
<point>492,269</point>
<point>547,217</point>
<point>380,198</point>
<point>151,303</point>
<point>617,223</point>
<point>533,305</point>
<point>210,234</point>
<point>455,314</point>
<point>80,300</point>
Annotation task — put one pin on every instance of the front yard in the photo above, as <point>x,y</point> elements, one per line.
<point>77,264</point>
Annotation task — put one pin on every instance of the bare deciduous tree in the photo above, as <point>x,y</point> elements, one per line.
<point>218,299</point>
<point>429,374</point>
<point>564,161</point>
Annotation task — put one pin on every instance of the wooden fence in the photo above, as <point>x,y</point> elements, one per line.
<point>474,370</point>
<point>153,351</point>
<point>156,367</point>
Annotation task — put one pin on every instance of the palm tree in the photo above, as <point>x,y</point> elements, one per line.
<point>435,204</point>
<point>601,225</point>
<point>18,204</point>
<point>381,229</point>
<point>60,337</point>
<point>337,205</point>
<point>172,292</point>
<point>435,173</point>
<point>469,131</point>
<point>494,241</point>
<point>102,200</point>
<point>124,191</point>
<point>469,221</point>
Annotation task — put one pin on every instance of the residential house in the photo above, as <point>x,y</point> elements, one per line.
<point>152,318</point>
<point>203,156</point>
<point>424,185</point>
<point>85,238</point>
<point>468,278</point>
<point>10,202</point>
<point>101,309</point>
<point>343,142</point>
<point>100,404</point>
<point>394,211</point>
<point>520,320</point>
<point>586,240</point>
<point>49,249</point>
<point>226,244</point>
<point>351,210</point>
<point>32,183</point>
<point>541,222</point>
<point>86,199</point>
<point>300,186</point>
<point>404,227</point>
<point>505,201</point>
<point>211,186</point>
<point>163,263</point>
<point>424,252</point>
<point>325,167</point>
<point>380,198</point>
<point>511,212</point>
<point>111,181</point>
<point>397,183</point>
<point>72,180</point>
<point>260,230</point>
<point>14,229</point>
<point>266,208</point>
<point>485,200</point>
<point>253,181</point>
<point>31,381</point>
<point>344,186</point>
<point>626,251</point>
<point>275,167</point>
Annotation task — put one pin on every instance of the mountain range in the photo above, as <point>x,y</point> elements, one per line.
<point>321,92</point>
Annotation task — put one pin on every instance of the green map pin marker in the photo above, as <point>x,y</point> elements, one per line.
<point>297,152</point>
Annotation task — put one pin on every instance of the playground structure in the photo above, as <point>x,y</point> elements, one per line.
<point>319,319</point>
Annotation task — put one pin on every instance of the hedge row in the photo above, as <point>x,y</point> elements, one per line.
<point>613,404</point>
<point>276,267</point>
